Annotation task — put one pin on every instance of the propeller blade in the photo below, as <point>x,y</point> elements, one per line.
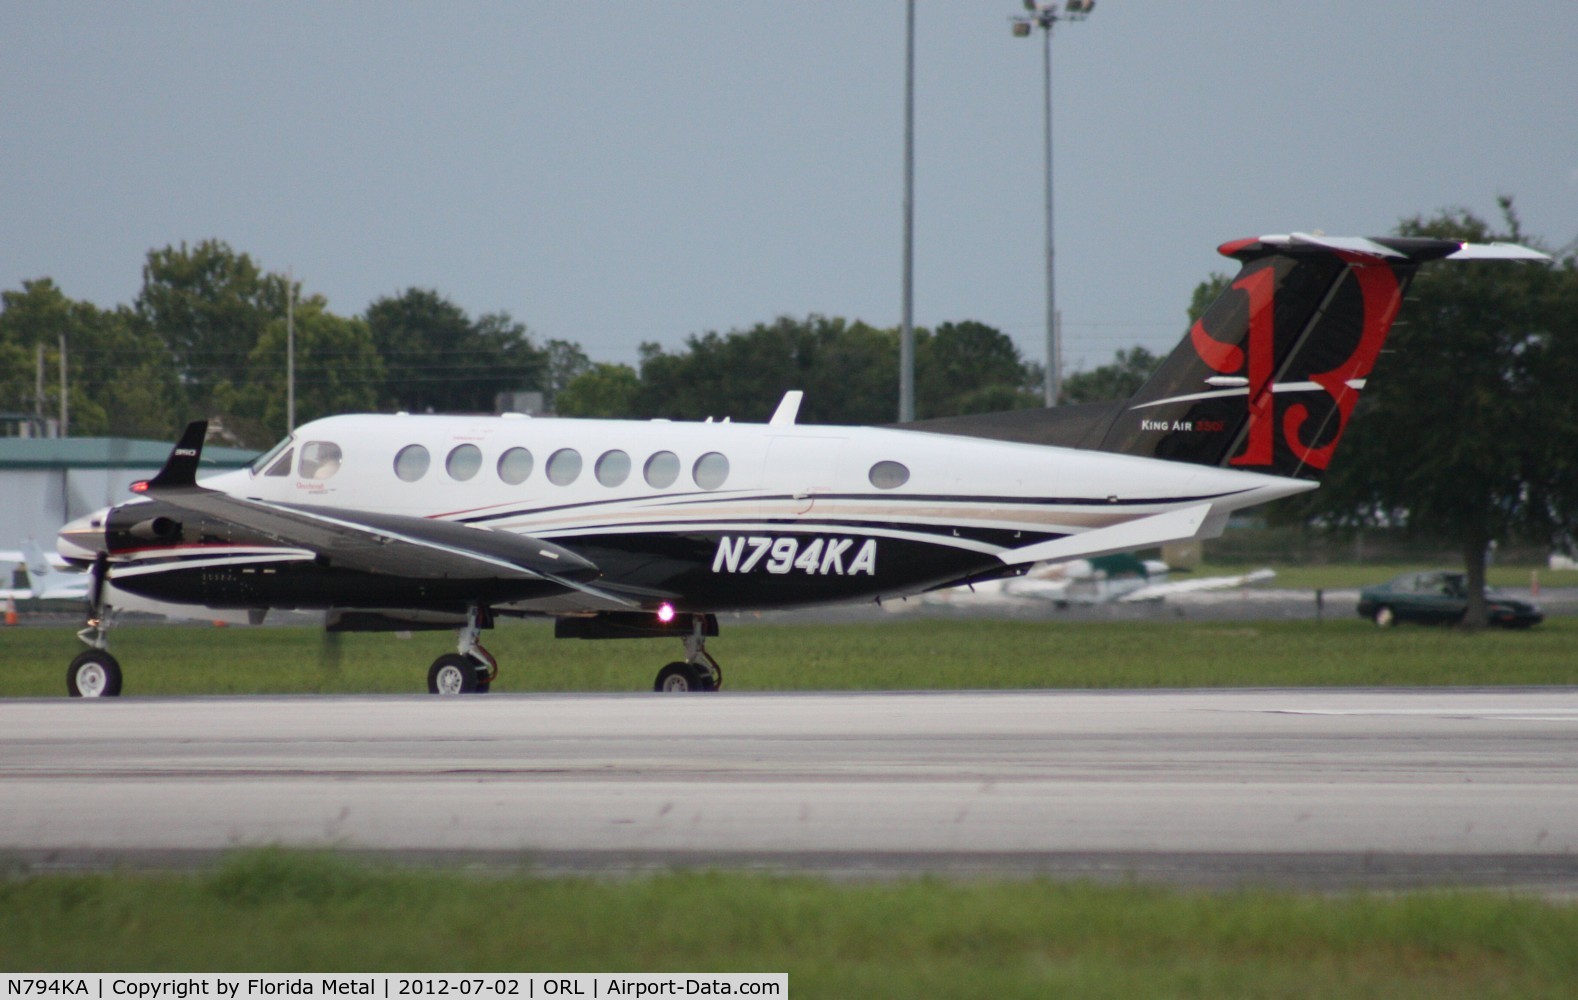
<point>331,652</point>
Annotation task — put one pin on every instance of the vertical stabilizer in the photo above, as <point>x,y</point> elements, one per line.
<point>1267,379</point>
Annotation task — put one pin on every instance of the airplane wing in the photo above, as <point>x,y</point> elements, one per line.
<point>399,545</point>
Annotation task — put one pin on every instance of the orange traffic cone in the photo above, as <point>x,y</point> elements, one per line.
<point>10,611</point>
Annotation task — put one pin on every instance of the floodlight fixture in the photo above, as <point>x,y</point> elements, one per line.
<point>1045,16</point>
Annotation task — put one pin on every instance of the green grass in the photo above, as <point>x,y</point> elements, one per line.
<point>1353,576</point>
<point>283,911</point>
<point>901,654</point>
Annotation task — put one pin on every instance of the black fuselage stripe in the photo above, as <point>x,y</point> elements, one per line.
<point>1006,537</point>
<point>900,500</point>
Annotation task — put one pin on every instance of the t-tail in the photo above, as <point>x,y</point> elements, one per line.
<point>1267,379</point>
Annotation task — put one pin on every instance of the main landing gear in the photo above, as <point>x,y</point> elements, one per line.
<point>95,673</point>
<point>470,669</point>
<point>698,671</point>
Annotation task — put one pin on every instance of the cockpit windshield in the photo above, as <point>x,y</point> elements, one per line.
<point>262,461</point>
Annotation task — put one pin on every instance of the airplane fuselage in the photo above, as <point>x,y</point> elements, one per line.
<point>704,517</point>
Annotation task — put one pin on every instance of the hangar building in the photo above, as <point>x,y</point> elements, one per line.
<point>46,482</point>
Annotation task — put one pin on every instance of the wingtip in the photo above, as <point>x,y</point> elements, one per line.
<point>1497,251</point>
<point>180,469</point>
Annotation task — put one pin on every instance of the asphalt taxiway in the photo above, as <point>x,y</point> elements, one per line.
<point>1308,787</point>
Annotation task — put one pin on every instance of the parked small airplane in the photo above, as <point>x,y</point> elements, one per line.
<point>630,529</point>
<point>1121,579</point>
<point>48,576</point>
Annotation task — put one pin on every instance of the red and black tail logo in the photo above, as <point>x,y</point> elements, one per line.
<point>1268,378</point>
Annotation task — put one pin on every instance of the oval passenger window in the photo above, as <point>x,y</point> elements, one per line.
<point>515,466</point>
<point>661,470</point>
<point>612,468</point>
<point>463,462</point>
<point>710,470</point>
<point>412,462</point>
<point>889,475</point>
<point>564,467</point>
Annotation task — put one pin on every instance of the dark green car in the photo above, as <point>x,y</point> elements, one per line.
<point>1439,597</point>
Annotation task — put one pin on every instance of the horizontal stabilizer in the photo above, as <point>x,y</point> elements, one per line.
<point>1496,251</point>
<point>1144,532</point>
<point>1349,244</point>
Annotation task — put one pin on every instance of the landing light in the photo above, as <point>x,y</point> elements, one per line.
<point>665,612</point>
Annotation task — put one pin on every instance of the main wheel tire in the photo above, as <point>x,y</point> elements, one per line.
<point>452,674</point>
<point>680,677</point>
<point>94,674</point>
<point>676,678</point>
<point>1385,617</point>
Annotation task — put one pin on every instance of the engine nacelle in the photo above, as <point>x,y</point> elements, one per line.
<point>156,529</point>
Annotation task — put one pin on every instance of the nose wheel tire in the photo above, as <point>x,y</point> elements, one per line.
<point>94,674</point>
<point>454,674</point>
<point>680,677</point>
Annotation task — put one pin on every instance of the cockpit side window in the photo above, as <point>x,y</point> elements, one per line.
<point>266,459</point>
<point>281,467</point>
<point>319,460</point>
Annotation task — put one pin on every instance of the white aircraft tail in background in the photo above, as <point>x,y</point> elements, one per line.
<point>49,576</point>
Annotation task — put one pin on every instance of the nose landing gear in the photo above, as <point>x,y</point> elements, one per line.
<point>95,673</point>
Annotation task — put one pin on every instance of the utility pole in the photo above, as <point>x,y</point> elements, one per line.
<point>290,350</point>
<point>65,406</point>
<point>1045,16</point>
<point>907,331</point>
<point>38,388</point>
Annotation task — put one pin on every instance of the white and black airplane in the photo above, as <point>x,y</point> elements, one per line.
<point>630,529</point>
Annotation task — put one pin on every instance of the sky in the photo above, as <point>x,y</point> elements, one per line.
<point>613,173</point>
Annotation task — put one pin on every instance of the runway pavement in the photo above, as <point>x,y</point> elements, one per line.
<point>1310,787</point>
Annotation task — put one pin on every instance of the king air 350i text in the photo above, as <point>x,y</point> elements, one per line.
<point>629,529</point>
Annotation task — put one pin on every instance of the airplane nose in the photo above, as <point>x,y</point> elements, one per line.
<point>83,539</point>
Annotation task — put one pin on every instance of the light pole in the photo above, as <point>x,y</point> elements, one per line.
<point>907,329</point>
<point>1045,16</point>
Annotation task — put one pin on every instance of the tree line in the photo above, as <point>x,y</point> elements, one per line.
<point>848,370</point>
<point>206,336</point>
